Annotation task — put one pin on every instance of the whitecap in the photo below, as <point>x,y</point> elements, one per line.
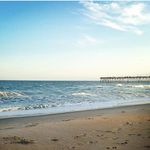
<point>119,84</point>
<point>138,86</point>
<point>14,108</point>
<point>37,106</point>
<point>82,94</point>
<point>11,94</point>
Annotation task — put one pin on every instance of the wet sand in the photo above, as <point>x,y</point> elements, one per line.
<point>124,128</point>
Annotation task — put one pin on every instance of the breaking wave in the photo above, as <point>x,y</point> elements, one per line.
<point>20,97</point>
<point>6,94</point>
<point>9,109</point>
<point>29,107</point>
<point>37,106</point>
<point>141,86</point>
<point>119,85</point>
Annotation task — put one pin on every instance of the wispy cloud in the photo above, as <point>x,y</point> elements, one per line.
<point>123,16</point>
<point>87,40</point>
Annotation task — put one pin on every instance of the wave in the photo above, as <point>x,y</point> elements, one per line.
<point>37,106</point>
<point>82,94</point>
<point>9,109</point>
<point>29,107</point>
<point>119,85</point>
<point>140,86</point>
<point>11,94</point>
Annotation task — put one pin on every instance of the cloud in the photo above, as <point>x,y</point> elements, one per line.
<point>122,16</point>
<point>87,40</point>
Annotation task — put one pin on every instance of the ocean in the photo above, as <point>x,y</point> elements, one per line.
<point>31,98</point>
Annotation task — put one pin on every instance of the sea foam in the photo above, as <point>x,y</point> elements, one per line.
<point>11,94</point>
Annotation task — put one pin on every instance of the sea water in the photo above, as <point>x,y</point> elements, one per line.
<point>29,98</point>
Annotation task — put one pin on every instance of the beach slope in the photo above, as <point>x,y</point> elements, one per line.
<point>114,128</point>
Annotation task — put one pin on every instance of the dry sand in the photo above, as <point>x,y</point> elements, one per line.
<point>124,128</point>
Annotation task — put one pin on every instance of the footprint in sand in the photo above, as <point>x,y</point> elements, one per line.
<point>123,111</point>
<point>108,131</point>
<point>80,144</point>
<point>114,147</point>
<point>138,134</point>
<point>123,143</point>
<point>107,147</point>
<point>73,147</point>
<point>147,146</point>
<point>129,123</point>
<point>79,136</point>
<point>100,135</point>
<point>54,140</point>
<point>130,134</point>
<point>92,142</point>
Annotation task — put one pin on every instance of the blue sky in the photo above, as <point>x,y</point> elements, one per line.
<point>74,40</point>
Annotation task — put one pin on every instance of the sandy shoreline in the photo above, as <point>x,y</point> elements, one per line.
<point>113,128</point>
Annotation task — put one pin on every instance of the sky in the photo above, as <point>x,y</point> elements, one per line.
<point>80,40</point>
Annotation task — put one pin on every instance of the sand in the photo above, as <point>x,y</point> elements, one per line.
<point>124,128</point>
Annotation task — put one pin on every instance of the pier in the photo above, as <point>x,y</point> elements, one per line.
<point>125,78</point>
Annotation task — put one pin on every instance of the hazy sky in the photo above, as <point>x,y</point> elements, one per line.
<point>74,40</point>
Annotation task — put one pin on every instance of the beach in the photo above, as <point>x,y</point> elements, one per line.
<point>75,75</point>
<point>121,128</point>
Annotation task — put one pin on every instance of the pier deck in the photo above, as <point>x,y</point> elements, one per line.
<point>125,78</point>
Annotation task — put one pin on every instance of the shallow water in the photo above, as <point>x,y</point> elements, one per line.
<point>42,97</point>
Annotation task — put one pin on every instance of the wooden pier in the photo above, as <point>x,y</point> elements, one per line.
<point>125,78</point>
